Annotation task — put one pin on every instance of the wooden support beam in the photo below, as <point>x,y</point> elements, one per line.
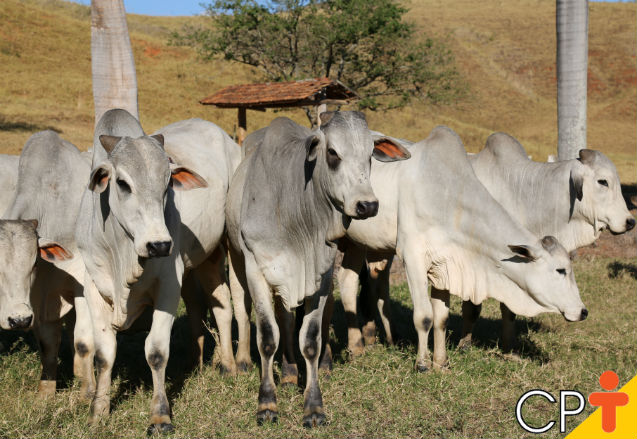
<point>242,125</point>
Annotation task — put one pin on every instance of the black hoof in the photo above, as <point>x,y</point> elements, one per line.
<point>243,366</point>
<point>267,416</point>
<point>223,370</point>
<point>160,428</point>
<point>422,368</point>
<point>313,420</point>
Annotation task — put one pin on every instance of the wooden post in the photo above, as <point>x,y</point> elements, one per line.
<point>243,125</point>
<point>322,108</point>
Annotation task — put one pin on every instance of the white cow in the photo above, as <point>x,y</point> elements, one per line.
<point>288,202</point>
<point>445,226</point>
<point>573,200</point>
<point>130,236</point>
<point>52,174</point>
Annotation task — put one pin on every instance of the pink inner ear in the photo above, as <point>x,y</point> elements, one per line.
<point>185,180</point>
<point>54,253</point>
<point>389,149</point>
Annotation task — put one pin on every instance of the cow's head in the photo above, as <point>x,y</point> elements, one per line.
<point>20,249</point>
<point>341,151</point>
<point>544,270</point>
<point>597,189</point>
<point>139,177</point>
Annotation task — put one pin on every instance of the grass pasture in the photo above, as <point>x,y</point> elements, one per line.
<point>376,395</point>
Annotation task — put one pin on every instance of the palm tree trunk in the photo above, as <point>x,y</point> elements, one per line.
<point>572,69</point>
<point>113,66</point>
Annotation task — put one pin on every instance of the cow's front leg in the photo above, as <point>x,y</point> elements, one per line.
<point>310,345</point>
<point>289,369</point>
<point>267,340</point>
<point>440,305</point>
<point>470,314</point>
<point>84,347</point>
<point>348,282</point>
<point>157,350</point>
<point>49,335</point>
<point>507,338</point>
<point>326,350</point>
<point>416,268</point>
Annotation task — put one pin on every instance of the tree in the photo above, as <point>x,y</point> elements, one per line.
<point>113,66</point>
<point>572,70</point>
<point>363,43</point>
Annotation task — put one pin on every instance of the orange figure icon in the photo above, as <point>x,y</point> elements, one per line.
<point>608,401</point>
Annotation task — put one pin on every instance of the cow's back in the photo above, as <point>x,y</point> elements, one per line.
<point>8,180</point>
<point>51,179</point>
<point>206,149</point>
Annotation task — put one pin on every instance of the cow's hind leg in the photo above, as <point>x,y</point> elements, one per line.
<point>507,338</point>
<point>213,279</point>
<point>84,347</point>
<point>310,344</point>
<point>191,293</point>
<point>440,305</point>
<point>381,270</point>
<point>348,282</point>
<point>242,305</point>
<point>289,368</point>
<point>49,335</point>
<point>470,314</point>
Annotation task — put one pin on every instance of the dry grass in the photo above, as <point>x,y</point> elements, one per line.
<point>376,395</point>
<point>506,52</point>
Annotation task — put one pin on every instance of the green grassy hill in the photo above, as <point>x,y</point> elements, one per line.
<point>505,50</point>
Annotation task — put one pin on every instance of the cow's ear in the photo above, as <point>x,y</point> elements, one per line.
<point>109,142</point>
<point>52,251</point>
<point>586,156</point>
<point>576,181</point>
<point>524,251</point>
<point>99,178</point>
<point>311,146</point>
<point>159,138</point>
<point>386,150</point>
<point>326,116</point>
<point>184,179</point>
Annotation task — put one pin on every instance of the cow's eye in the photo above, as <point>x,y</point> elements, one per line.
<point>603,182</point>
<point>125,187</point>
<point>561,271</point>
<point>332,158</point>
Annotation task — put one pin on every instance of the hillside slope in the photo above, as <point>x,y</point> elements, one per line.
<point>505,50</point>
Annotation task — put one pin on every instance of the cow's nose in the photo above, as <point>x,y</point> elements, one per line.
<point>365,209</point>
<point>630,224</point>
<point>158,249</point>
<point>584,314</point>
<point>20,322</point>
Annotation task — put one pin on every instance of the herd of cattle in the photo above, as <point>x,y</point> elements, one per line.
<point>143,220</point>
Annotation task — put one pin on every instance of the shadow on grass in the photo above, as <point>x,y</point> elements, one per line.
<point>6,125</point>
<point>485,335</point>
<point>616,269</point>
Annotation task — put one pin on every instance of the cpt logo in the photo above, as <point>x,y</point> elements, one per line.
<point>608,401</point>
